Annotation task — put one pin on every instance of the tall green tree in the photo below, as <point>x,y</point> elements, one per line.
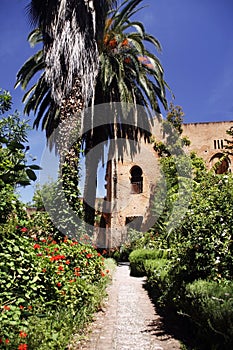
<point>14,168</point>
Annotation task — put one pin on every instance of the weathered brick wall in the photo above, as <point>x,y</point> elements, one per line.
<point>207,140</point>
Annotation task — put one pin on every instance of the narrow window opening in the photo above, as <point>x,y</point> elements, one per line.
<point>136,180</point>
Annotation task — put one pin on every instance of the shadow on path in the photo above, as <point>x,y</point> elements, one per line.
<point>177,325</point>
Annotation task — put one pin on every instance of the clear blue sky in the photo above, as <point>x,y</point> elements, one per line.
<point>196,37</point>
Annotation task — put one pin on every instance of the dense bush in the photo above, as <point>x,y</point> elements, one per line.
<point>44,288</point>
<point>205,247</point>
<point>138,257</point>
<point>157,272</point>
<point>210,306</point>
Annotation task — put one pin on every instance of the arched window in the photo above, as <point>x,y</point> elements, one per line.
<point>136,179</point>
<point>223,166</point>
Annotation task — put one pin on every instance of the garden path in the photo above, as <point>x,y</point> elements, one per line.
<point>129,320</point>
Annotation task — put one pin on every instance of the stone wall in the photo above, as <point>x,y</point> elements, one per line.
<point>132,208</point>
<point>208,140</point>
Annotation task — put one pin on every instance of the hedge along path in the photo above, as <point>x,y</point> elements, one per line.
<point>129,320</point>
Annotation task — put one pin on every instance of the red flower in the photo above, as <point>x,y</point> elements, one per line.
<point>22,347</point>
<point>73,243</point>
<point>107,271</point>
<point>88,256</point>
<point>77,274</point>
<point>6,307</point>
<point>102,274</point>
<point>0,340</point>
<point>21,307</point>
<point>113,43</point>
<point>71,281</point>
<point>29,307</point>
<point>57,257</point>
<point>67,262</point>
<point>43,270</point>
<point>7,341</point>
<point>36,246</point>
<point>54,242</point>
<point>60,268</point>
<point>77,268</point>
<point>125,42</point>
<point>43,240</point>
<point>24,229</point>
<point>22,334</point>
<point>99,254</point>
<point>59,284</point>
<point>127,60</point>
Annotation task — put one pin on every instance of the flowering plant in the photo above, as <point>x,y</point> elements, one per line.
<point>40,278</point>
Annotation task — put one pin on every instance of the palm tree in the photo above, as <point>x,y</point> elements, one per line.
<point>71,30</point>
<point>128,72</point>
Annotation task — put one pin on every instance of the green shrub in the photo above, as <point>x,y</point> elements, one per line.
<point>157,272</point>
<point>40,281</point>
<point>205,248</point>
<point>138,257</point>
<point>210,307</point>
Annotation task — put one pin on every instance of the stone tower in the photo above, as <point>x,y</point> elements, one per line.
<point>130,183</point>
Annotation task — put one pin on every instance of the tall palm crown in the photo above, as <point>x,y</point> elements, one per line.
<point>70,29</point>
<point>128,71</point>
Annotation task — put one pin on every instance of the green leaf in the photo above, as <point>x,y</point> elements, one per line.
<point>36,278</point>
<point>23,182</point>
<point>30,173</point>
<point>19,167</point>
<point>3,140</point>
<point>14,145</point>
<point>34,167</point>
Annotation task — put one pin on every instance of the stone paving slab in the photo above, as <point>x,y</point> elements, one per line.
<point>129,321</point>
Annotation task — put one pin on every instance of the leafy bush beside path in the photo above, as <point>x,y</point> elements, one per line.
<point>47,289</point>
